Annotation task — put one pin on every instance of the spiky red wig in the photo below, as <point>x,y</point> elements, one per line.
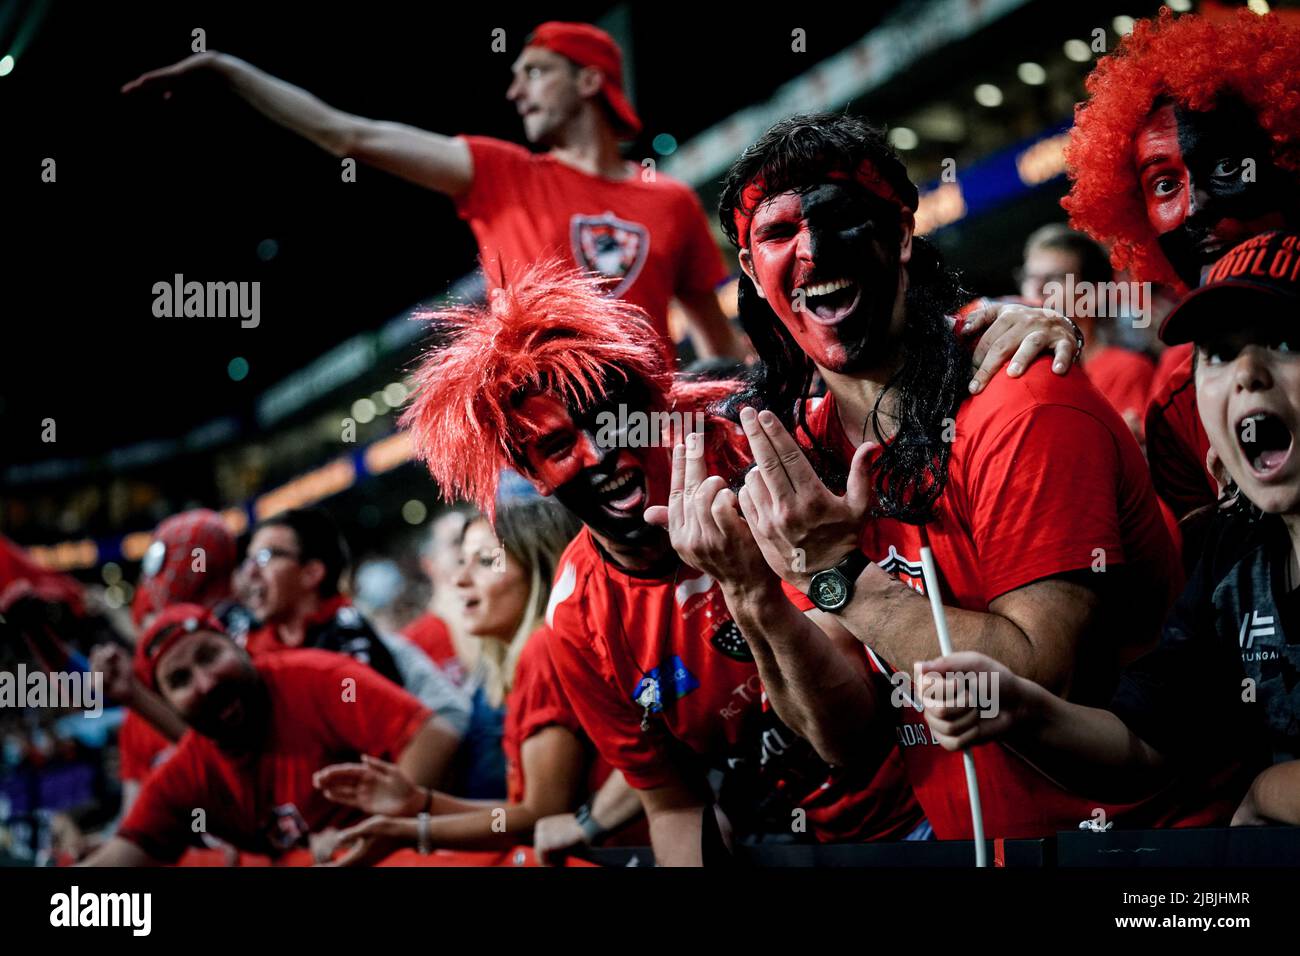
<point>552,330</point>
<point>1191,60</point>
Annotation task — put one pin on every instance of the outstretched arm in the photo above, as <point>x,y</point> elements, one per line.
<point>440,163</point>
<point>1084,749</point>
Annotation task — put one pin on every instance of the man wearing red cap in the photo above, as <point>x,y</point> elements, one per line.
<point>642,230</point>
<point>258,733</point>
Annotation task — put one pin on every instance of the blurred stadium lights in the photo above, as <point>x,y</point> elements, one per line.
<point>910,33</point>
<point>1078,51</point>
<point>986,94</point>
<point>6,64</point>
<point>1031,74</point>
<point>903,137</point>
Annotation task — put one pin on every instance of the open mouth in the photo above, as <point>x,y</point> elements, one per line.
<point>829,302</point>
<point>1266,443</point>
<point>624,493</point>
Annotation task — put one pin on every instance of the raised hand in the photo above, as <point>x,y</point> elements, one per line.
<point>801,526</point>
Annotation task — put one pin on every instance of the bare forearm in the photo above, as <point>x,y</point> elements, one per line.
<point>896,622</point>
<point>615,803</point>
<point>427,757</point>
<point>677,836</point>
<point>494,828</point>
<point>1276,792</point>
<point>814,689</point>
<point>1084,749</point>
<point>155,710</point>
<point>287,105</point>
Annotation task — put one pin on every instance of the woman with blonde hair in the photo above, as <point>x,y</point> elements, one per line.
<point>505,584</point>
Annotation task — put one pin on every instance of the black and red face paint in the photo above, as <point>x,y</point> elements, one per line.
<point>827,261</point>
<point>1209,182</point>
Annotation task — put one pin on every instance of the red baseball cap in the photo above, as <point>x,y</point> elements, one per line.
<point>171,624</point>
<point>1262,272</point>
<point>587,45</point>
<point>167,572</point>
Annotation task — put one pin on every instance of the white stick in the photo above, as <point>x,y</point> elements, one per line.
<point>931,574</point>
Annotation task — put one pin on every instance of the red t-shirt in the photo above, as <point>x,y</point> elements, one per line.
<point>651,238</point>
<point>1176,439</point>
<point>534,703</point>
<point>140,748</point>
<point>431,634</point>
<point>1124,378</point>
<point>613,632</point>
<point>265,802</point>
<point>1042,474</point>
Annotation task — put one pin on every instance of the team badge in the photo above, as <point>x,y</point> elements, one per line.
<point>611,247</point>
<point>728,640</point>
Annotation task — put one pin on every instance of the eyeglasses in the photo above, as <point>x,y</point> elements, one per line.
<point>263,556</point>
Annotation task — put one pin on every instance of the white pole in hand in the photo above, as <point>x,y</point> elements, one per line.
<point>945,647</point>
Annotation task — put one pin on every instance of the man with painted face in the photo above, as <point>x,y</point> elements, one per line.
<point>648,235</point>
<point>1188,144</point>
<point>564,384</point>
<point>1033,494</point>
<point>258,731</point>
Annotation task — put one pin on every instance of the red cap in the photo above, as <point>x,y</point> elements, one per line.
<point>587,45</point>
<point>171,624</point>
<point>168,574</point>
<point>1264,271</point>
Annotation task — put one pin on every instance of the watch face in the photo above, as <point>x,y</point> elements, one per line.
<point>830,591</point>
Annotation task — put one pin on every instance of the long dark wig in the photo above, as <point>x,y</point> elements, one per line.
<point>912,470</point>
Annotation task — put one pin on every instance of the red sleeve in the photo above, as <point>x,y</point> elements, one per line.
<point>498,175</point>
<point>1125,379</point>
<point>373,716</point>
<point>160,821</point>
<point>611,719</point>
<point>699,268</point>
<point>538,694</point>
<point>1059,464</point>
<point>138,746</point>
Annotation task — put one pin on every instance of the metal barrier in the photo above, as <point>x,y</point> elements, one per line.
<point>1222,847</point>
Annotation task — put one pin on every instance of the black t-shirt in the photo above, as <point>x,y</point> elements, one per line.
<point>1225,679</point>
<point>347,632</point>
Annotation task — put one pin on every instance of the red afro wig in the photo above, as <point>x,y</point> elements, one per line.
<point>1191,60</point>
<point>553,330</point>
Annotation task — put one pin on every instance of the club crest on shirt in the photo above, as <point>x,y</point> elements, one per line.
<point>728,640</point>
<point>610,247</point>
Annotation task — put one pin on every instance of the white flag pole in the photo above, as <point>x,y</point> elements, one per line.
<point>931,574</point>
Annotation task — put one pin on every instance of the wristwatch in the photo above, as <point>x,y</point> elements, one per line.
<point>592,831</point>
<point>832,589</point>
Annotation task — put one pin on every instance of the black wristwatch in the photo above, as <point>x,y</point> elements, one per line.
<point>592,832</point>
<point>832,589</point>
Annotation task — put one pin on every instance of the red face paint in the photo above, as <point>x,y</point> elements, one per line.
<point>1208,183</point>
<point>586,464</point>
<point>827,261</point>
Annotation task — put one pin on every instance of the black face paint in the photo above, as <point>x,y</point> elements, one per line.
<point>1236,189</point>
<point>584,494</point>
<point>856,238</point>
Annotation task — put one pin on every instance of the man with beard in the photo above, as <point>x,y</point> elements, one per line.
<point>258,731</point>
<point>545,380</point>
<point>1033,494</point>
<point>292,576</point>
<point>562,384</point>
<point>1189,144</point>
<point>647,235</point>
